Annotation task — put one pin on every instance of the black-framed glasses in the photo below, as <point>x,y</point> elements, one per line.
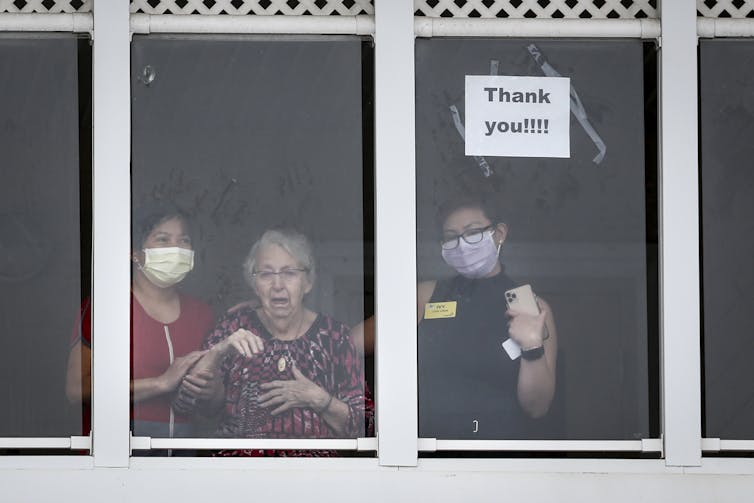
<point>471,236</point>
<point>288,275</point>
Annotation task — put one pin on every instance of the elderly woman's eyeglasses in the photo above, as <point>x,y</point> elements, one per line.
<point>471,236</point>
<point>288,275</point>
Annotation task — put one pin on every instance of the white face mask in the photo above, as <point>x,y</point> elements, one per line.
<point>473,260</point>
<point>167,266</point>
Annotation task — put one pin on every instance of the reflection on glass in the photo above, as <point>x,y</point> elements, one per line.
<point>727,194</point>
<point>499,235</point>
<point>43,229</point>
<point>250,137</point>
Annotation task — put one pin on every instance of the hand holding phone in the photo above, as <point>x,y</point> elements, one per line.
<point>520,299</point>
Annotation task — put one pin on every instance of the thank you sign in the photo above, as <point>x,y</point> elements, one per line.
<point>517,116</point>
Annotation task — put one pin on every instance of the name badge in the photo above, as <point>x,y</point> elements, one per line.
<point>435,310</point>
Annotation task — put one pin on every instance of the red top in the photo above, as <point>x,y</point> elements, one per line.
<point>150,349</point>
<point>151,343</point>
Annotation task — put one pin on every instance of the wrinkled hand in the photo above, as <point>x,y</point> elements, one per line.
<point>527,330</point>
<point>244,342</point>
<point>295,393</point>
<point>196,388</point>
<point>181,365</point>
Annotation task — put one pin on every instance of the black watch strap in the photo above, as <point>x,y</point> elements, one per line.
<point>533,354</point>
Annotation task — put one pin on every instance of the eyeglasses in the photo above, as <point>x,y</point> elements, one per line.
<point>288,275</point>
<point>471,236</point>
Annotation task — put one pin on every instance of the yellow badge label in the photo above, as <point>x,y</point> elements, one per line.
<point>434,310</point>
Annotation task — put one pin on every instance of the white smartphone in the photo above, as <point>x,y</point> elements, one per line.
<point>521,299</point>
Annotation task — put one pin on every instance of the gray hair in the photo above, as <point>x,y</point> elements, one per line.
<point>293,242</point>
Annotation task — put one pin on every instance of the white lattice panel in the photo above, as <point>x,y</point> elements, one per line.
<point>725,8</point>
<point>547,9</point>
<point>255,7</point>
<point>46,6</point>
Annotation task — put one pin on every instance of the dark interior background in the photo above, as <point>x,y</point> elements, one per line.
<point>40,252</point>
<point>246,133</point>
<point>583,234</point>
<point>727,191</point>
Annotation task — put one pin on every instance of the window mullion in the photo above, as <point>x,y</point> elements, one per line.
<point>111,234</point>
<point>680,236</point>
<point>395,187</point>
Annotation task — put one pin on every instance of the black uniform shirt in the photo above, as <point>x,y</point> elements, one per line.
<point>467,382</point>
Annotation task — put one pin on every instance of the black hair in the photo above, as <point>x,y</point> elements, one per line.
<point>146,218</point>
<point>488,205</point>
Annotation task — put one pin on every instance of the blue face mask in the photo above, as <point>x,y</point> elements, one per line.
<point>473,260</point>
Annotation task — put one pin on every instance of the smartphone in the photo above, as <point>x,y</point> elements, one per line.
<point>521,299</point>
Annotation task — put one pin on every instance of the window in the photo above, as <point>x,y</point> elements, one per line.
<point>580,230</point>
<point>727,245</point>
<point>44,222</point>
<point>122,89</point>
<point>253,139</point>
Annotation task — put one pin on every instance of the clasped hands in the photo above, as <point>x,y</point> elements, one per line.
<point>203,383</point>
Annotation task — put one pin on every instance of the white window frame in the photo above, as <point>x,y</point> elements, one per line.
<point>397,471</point>
<point>679,237</point>
<point>111,215</point>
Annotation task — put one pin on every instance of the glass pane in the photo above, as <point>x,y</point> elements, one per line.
<point>247,138</point>
<point>727,106</point>
<point>44,232</point>
<point>580,230</point>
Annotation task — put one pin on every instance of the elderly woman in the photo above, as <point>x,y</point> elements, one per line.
<point>288,372</point>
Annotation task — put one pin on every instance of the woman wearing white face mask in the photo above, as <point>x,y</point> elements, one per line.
<point>167,327</point>
<point>469,387</point>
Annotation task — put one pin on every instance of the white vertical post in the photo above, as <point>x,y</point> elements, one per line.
<point>111,229</point>
<point>680,235</point>
<point>395,186</point>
